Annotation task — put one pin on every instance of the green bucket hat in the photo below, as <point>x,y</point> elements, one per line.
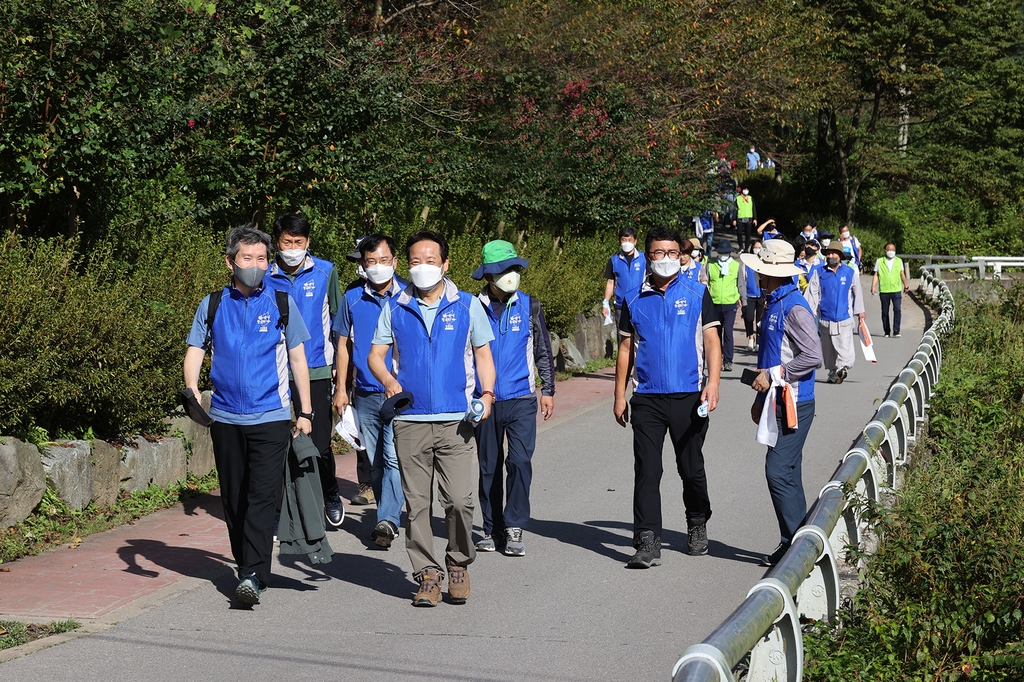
<point>498,256</point>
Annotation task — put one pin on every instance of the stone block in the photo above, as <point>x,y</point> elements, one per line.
<point>68,464</point>
<point>106,473</point>
<point>200,459</point>
<point>22,480</point>
<point>573,358</point>
<point>144,463</point>
<point>580,336</point>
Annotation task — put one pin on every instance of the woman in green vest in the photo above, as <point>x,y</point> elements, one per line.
<point>890,281</point>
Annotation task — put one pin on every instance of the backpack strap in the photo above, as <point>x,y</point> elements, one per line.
<point>211,312</point>
<point>282,307</point>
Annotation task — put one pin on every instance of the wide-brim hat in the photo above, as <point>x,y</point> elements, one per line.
<point>835,246</point>
<point>498,256</point>
<point>695,244</point>
<point>777,259</point>
<point>723,246</point>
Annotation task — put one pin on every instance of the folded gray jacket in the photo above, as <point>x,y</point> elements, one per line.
<point>301,528</point>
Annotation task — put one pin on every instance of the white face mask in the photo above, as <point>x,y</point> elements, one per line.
<point>723,257</point>
<point>379,274</point>
<point>666,267</point>
<point>627,247</point>
<point>826,242</point>
<point>695,255</point>
<point>890,254</point>
<point>746,192</point>
<point>844,236</point>
<point>292,257</point>
<point>425,276</point>
<point>507,282</point>
<point>757,251</point>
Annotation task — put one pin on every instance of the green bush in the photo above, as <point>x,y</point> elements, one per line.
<point>944,594</point>
<point>96,341</point>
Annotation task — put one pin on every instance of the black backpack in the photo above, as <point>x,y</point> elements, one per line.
<point>211,311</point>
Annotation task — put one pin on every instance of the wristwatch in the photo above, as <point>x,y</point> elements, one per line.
<point>306,415</point>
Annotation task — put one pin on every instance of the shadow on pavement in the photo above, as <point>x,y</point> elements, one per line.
<point>358,569</point>
<point>211,504</point>
<point>187,561</point>
<point>596,536</point>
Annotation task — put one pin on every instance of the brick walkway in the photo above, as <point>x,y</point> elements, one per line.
<point>113,569</point>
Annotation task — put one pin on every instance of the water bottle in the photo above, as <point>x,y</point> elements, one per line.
<point>476,410</point>
<point>702,411</point>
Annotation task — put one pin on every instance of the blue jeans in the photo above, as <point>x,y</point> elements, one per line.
<point>379,440</point>
<point>783,467</point>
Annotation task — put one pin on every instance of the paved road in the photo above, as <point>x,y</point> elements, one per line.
<point>569,610</point>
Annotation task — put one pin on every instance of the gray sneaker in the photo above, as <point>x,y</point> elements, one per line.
<point>486,544</point>
<point>248,591</point>
<point>514,542</point>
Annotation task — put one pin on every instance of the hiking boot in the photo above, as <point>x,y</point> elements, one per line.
<point>248,591</point>
<point>697,539</point>
<point>841,375</point>
<point>458,582</point>
<point>364,495</point>
<point>648,551</point>
<point>334,510</point>
<point>429,593</point>
<point>514,542</point>
<point>384,533</point>
<point>486,544</point>
<point>776,555</point>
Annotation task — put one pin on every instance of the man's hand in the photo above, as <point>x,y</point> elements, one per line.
<point>761,384</point>
<point>547,406</point>
<point>710,394</point>
<point>393,388</point>
<point>340,399</point>
<point>488,402</point>
<point>755,411</point>
<point>621,411</point>
<point>862,316</point>
<point>302,425</point>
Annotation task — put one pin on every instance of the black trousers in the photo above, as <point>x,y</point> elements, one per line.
<point>250,466</point>
<point>320,395</point>
<point>743,227</point>
<point>653,416</point>
<point>752,313</point>
<point>894,299</point>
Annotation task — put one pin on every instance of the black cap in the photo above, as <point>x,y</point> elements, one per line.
<point>395,405</point>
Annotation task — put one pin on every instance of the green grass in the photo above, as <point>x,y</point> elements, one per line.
<point>589,367</point>
<point>13,633</point>
<point>53,523</point>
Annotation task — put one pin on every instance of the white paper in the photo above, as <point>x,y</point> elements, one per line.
<point>866,345</point>
<point>348,428</point>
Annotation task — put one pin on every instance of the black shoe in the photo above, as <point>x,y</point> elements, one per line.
<point>776,556</point>
<point>697,540</point>
<point>384,533</point>
<point>841,375</point>
<point>248,591</point>
<point>334,510</point>
<point>648,551</point>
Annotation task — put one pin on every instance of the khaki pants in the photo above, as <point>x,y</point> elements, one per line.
<point>837,348</point>
<point>447,449</point>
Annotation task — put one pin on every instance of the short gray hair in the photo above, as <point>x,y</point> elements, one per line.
<point>245,234</point>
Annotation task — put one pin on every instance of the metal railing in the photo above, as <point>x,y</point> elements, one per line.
<point>805,582</point>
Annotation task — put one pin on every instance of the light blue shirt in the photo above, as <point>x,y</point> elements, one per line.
<point>480,334</point>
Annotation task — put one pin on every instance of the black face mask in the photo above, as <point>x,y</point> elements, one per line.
<point>833,262</point>
<point>811,253</point>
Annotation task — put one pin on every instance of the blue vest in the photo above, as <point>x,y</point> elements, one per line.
<point>753,284</point>
<point>437,368</point>
<point>629,275</point>
<point>818,267</point>
<point>835,293</point>
<point>512,347</point>
<point>249,367</point>
<point>668,336</point>
<point>364,311</point>
<point>309,290</point>
<point>775,348</point>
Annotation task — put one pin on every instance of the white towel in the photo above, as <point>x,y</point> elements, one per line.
<point>348,428</point>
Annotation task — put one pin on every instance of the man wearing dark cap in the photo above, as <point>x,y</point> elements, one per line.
<point>522,352</point>
<point>727,282</point>
<point>441,338</point>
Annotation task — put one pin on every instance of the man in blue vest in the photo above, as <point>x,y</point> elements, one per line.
<point>522,352</point>
<point>835,292</point>
<point>788,354</point>
<point>441,338</point>
<point>624,272</point>
<point>313,285</point>
<point>253,351</point>
<point>354,326</point>
<point>669,328</point>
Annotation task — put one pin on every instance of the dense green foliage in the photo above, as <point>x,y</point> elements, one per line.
<point>944,594</point>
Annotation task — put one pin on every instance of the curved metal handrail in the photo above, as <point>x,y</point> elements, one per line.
<point>805,581</point>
